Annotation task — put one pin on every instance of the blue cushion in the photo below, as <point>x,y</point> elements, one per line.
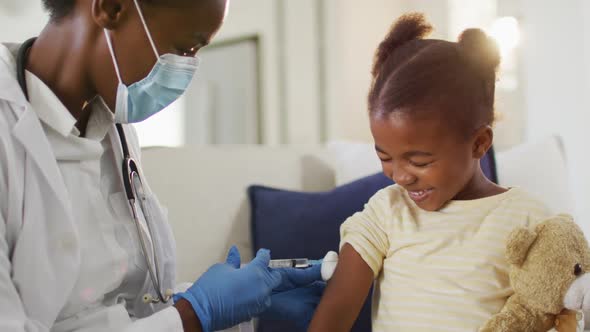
<point>488,165</point>
<point>299,224</point>
<point>296,224</point>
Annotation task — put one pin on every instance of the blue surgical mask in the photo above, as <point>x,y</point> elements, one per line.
<point>167,82</point>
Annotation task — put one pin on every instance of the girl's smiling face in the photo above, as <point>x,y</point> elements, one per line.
<point>424,154</point>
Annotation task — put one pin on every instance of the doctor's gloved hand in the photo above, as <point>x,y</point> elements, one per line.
<point>298,296</point>
<point>227,295</point>
<point>294,278</point>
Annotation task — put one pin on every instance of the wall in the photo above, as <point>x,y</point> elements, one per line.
<point>304,82</point>
<point>316,57</point>
<point>354,29</point>
<point>557,67</point>
<point>258,18</point>
<point>27,15</point>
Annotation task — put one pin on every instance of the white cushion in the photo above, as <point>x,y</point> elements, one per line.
<point>540,168</point>
<point>353,160</point>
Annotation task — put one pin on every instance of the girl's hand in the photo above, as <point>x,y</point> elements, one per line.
<point>567,321</point>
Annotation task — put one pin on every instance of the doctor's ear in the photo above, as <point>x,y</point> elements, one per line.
<point>108,14</point>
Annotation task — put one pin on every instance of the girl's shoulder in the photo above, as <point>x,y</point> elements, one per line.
<point>523,203</point>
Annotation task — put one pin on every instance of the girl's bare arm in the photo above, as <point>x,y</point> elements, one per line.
<point>345,294</point>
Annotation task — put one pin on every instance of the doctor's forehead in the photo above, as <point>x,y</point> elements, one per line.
<point>196,11</point>
<point>198,19</point>
<point>212,7</point>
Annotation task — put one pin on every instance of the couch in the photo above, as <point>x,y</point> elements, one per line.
<point>205,188</point>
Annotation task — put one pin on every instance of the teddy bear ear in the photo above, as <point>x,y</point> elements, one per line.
<point>518,245</point>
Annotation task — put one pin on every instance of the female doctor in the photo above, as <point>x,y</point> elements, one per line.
<point>84,244</point>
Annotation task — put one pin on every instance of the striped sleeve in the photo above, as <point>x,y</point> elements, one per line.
<point>366,232</point>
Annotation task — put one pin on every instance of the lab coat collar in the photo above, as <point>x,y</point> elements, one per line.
<point>101,121</point>
<point>49,108</point>
<point>10,90</point>
<point>52,112</point>
<point>61,120</point>
<point>28,130</point>
<point>30,134</point>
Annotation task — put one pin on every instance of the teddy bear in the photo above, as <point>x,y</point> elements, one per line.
<point>549,272</point>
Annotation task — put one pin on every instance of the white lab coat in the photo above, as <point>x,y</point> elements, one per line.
<point>39,244</point>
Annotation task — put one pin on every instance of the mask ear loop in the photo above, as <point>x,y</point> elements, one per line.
<point>147,30</point>
<point>110,44</point>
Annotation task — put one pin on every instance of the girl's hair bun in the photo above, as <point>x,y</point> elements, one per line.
<point>480,51</point>
<point>408,27</point>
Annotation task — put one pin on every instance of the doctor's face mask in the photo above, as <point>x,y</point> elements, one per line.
<point>167,81</point>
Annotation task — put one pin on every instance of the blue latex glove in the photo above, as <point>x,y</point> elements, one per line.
<point>297,297</point>
<point>293,278</point>
<point>227,295</point>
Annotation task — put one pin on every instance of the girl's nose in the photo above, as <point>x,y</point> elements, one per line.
<point>402,177</point>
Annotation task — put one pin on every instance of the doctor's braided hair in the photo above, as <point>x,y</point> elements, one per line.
<point>456,79</point>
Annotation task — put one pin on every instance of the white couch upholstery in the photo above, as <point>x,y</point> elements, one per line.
<point>540,168</point>
<point>205,188</point>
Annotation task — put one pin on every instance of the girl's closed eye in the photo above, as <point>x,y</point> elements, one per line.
<point>420,163</point>
<point>384,158</point>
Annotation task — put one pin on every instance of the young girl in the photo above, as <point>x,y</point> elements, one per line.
<point>435,241</point>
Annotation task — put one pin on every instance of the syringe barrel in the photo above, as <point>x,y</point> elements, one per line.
<point>299,263</point>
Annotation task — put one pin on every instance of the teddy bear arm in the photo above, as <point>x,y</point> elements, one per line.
<point>517,317</point>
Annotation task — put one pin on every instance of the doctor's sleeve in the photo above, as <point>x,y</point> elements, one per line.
<point>164,320</point>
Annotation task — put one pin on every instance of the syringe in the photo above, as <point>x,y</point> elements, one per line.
<point>298,263</point>
<point>328,264</point>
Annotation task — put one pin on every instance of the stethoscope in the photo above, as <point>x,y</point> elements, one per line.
<point>133,188</point>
